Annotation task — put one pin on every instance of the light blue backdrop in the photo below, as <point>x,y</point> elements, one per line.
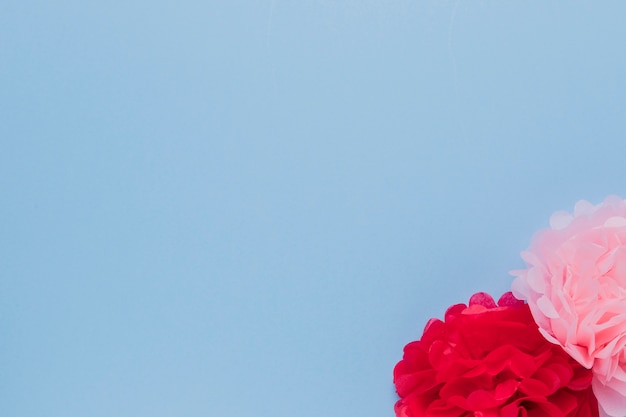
<point>247,208</point>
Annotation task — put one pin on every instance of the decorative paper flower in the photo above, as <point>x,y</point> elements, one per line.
<point>489,360</point>
<point>575,285</point>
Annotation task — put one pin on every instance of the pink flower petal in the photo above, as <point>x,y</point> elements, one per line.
<point>560,220</point>
<point>611,402</point>
<point>575,286</point>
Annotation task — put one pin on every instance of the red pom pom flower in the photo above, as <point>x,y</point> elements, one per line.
<point>489,360</point>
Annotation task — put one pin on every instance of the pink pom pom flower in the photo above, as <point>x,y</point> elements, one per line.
<point>575,285</point>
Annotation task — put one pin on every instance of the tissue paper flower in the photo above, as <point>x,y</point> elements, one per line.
<point>575,285</point>
<point>489,360</point>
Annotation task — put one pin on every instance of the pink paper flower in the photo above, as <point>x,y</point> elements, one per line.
<point>575,285</point>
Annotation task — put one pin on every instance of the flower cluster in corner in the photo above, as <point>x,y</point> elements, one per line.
<point>555,346</point>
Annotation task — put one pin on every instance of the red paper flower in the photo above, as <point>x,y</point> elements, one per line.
<point>489,360</point>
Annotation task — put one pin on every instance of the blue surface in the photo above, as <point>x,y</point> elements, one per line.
<point>248,208</point>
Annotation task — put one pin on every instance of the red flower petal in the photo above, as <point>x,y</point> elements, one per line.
<point>488,360</point>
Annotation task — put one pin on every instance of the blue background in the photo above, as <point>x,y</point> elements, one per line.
<point>247,208</point>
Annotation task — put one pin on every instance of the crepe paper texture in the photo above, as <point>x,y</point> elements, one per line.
<point>554,346</point>
<point>489,360</point>
<point>575,285</point>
